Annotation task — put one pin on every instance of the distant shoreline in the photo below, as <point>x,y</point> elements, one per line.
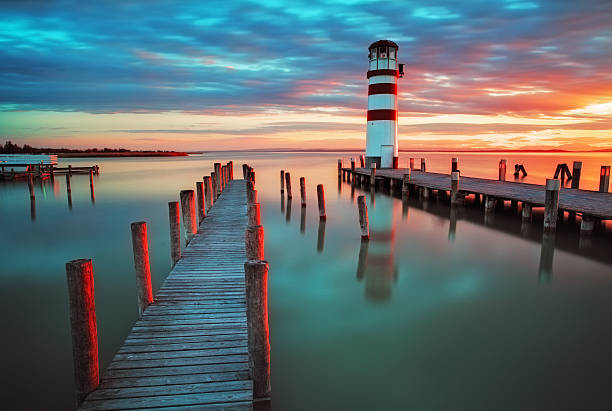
<point>322,150</point>
<point>124,154</point>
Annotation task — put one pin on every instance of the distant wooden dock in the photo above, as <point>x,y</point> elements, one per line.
<point>585,202</point>
<point>189,350</point>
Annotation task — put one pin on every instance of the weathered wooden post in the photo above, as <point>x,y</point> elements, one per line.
<point>175,231</point>
<point>70,170</point>
<point>321,201</point>
<point>208,193</point>
<point>373,175</point>
<point>253,214</point>
<point>352,165</point>
<point>256,283</point>
<point>91,186</point>
<point>502,170</point>
<point>364,223</point>
<point>231,169</point>
<point>288,184</point>
<point>222,179</point>
<point>31,186</point>
<point>303,191</point>
<point>423,167</point>
<point>454,187</point>
<point>282,181</point>
<point>69,190</point>
<point>604,179</point>
<point>454,164</point>
<point>362,161</point>
<point>83,327</point>
<point>527,212</point>
<point>339,167</point>
<point>213,180</point>
<point>217,167</point>
<point>251,196</point>
<point>189,214</point>
<point>577,170</point>
<point>140,246</point>
<point>551,204</point>
<point>411,163</point>
<point>200,199</point>
<point>52,172</point>
<point>254,242</point>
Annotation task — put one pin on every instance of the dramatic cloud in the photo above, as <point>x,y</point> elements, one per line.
<point>274,68</point>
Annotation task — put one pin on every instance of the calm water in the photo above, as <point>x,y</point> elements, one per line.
<point>442,313</point>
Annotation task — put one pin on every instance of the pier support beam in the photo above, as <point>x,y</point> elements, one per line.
<point>454,164</point>
<point>587,226</point>
<point>411,162</point>
<point>303,191</point>
<point>527,212</point>
<point>200,199</point>
<point>253,214</point>
<point>254,242</point>
<point>423,166</point>
<point>288,184</point>
<point>455,187</point>
<point>551,204</point>
<point>213,180</point>
<point>406,185</point>
<point>502,170</point>
<point>282,181</point>
<point>218,178</point>
<point>140,246</point>
<point>256,279</point>
<point>83,327</point>
<point>604,179</point>
<point>208,193</point>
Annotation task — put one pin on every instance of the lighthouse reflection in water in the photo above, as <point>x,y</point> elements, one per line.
<point>376,265</point>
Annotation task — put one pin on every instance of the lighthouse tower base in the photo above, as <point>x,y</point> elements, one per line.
<point>369,160</point>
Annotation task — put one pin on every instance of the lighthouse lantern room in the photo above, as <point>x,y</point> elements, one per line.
<point>381,139</point>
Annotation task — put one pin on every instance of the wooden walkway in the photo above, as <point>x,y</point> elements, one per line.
<point>189,349</point>
<point>591,203</point>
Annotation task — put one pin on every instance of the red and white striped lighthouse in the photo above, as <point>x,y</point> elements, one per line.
<point>381,139</point>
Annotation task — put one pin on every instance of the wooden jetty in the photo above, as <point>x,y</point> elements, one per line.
<point>585,202</point>
<point>189,349</point>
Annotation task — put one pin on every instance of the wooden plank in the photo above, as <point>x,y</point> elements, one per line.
<point>190,347</point>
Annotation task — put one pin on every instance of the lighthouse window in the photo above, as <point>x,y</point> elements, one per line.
<point>373,53</point>
<point>391,52</point>
<point>383,52</point>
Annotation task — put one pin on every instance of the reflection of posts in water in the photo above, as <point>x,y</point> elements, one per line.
<point>33,208</point>
<point>288,212</point>
<point>353,192</point>
<point>547,253</point>
<point>321,236</point>
<point>339,185</point>
<point>363,256</point>
<point>587,226</point>
<point>405,209</point>
<point>452,227</point>
<point>303,220</point>
<point>282,203</point>
<point>490,203</point>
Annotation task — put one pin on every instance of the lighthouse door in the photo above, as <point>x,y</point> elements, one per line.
<point>386,156</point>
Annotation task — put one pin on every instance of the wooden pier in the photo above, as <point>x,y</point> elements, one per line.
<point>189,350</point>
<point>587,203</point>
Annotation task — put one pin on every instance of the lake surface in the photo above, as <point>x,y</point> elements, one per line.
<point>439,312</point>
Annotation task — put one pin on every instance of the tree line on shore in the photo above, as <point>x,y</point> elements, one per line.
<point>11,148</point>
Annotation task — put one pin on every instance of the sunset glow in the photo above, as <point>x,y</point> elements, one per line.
<point>263,75</point>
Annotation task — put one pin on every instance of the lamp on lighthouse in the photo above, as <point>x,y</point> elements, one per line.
<point>381,138</point>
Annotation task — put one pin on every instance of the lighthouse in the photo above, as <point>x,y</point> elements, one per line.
<point>383,72</point>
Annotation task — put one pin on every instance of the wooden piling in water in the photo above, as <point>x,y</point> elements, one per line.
<point>339,167</point>
<point>352,164</point>
<point>256,284</point>
<point>454,164</point>
<point>423,166</point>
<point>251,196</point>
<point>526,212</point>
<point>373,175</point>
<point>303,191</point>
<point>587,225</point>
<point>231,170</point>
<point>140,246</point>
<point>288,184</point>
<point>83,327</point>
<point>362,161</point>
<point>502,170</point>
<point>70,170</point>
<point>454,188</point>
<point>208,193</point>
<point>321,202</point>
<point>411,163</point>
<point>254,242</point>
<point>91,186</point>
<point>604,179</point>
<point>406,185</point>
<point>200,200</point>
<point>253,214</point>
<point>364,223</point>
<point>282,181</point>
<point>189,214</point>
<point>551,204</point>
<point>576,171</point>
<point>175,231</point>
<point>31,186</point>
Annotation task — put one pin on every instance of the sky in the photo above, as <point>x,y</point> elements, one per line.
<point>215,75</point>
